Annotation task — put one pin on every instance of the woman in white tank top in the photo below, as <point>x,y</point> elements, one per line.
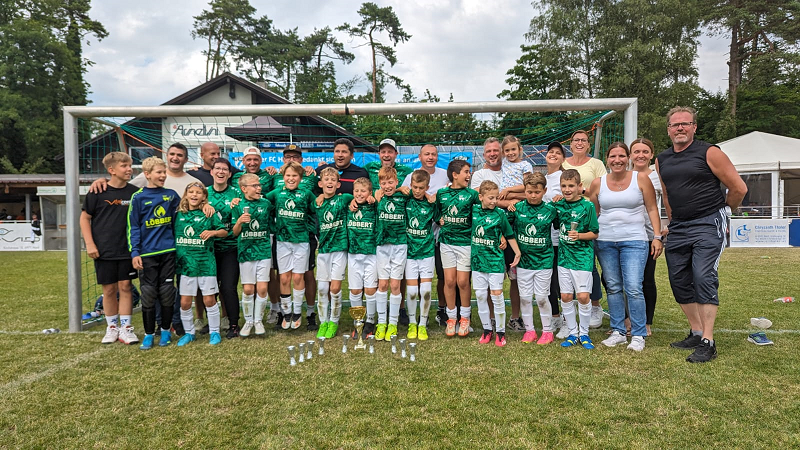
<point>621,198</point>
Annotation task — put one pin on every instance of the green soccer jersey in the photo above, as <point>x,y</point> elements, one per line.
<point>293,214</point>
<point>267,181</point>
<point>195,256</point>
<point>221,201</point>
<point>361,230</point>
<point>455,207</point>
<point>374,167</point>
<point>487,227</point>
<point>420,216</point>
<point>391,224</point>
<point>307,183</point>
<point>254,242</point>
<point>531,225</point>
<point>576,255</point>
<point>332,215</point>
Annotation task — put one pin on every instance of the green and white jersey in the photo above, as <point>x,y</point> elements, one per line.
<point>254,242</point>
<point>294,214</point>
<point>455,207</point>
<point>374,167</point>
<point>221,201</point>
<point>267,181</point>
<point>576,255</point>
<point>391,224</point>
<point>487,227</point>
<point>361,230</point>
<point>332,215</point>
<point>195,256</point>
<point>307,183</point>
<point>420,216</point>
<point>531,225</point>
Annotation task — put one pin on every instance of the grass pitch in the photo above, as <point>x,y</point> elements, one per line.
<point>70,391</point>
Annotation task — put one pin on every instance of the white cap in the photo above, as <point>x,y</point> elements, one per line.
<point>251,151</point>
<point>388,142</point>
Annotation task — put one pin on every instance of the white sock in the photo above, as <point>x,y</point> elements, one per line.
<point>124,320</point>
<point>568,310</point>
<point>425,306</point>
<point>526,312</point>
<point>499,313</point>
<point>261,305</point>
<point>483,309</point>
<point>286,305</point>
<point>585,312</point>
<point>452,314</point>
<point>394,308</point>
<point>336,306</point>
<point>212,312</point>
<point>412,298</point>
<point>297,300</point>
<point>355,299</point>
<point>372,308</point>
<point>545,312</point>
<point>380,304</point>
<point>188,320</point>
<point>322,300</point>
<point>247,307</point>
<point>466,311</point>
<point>112,320</point>
<point>275,306</point>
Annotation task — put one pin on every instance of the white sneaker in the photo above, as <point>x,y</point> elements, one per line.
<point>246,329</point>
<point>563,331</point>
<point>760,322</point>
<point>272,317</point>
<point>127,336</point>
<point>596,320</point>
<point>224,324</point>
<point>112,334</point>
<point>259,328</point>
<point>637,344</point>
<point>555,323</point>
<point>198,325</point>
<point>615,339</point>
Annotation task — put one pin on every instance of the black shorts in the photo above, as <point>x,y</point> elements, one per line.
<point>112,271</point>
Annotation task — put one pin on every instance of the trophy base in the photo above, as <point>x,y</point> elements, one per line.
<point>361,345</point>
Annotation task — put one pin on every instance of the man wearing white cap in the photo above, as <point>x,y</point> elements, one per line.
<point>251,158</point>
<point>387,151</point>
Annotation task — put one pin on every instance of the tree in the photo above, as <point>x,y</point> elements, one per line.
<point>222,27</point>
<point>316,82</point>
<point>374,21</point>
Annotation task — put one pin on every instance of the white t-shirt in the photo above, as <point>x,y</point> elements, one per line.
<point>485,174</point>
<point>438,180</point>
<point>177,184</point>
<point>657,186</point>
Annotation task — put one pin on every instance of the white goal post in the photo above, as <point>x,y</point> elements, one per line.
<point>73,113</point>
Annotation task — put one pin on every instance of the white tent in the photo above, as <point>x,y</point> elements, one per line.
<point>770,165</point>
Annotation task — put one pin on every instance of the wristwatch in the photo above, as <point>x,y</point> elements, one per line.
<point>657,238</point>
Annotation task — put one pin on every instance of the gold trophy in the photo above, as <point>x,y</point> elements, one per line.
<point>358,313</point>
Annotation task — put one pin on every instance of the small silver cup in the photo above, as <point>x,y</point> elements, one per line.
<point>302,347</point>
<point>402,348</point>
<point>412,351</point>
<point>394,344</point>
<point>344,343</point>
<point>371,344</point>
<point>321,350</point>
<point>310,347</point>
<point>292,361</point>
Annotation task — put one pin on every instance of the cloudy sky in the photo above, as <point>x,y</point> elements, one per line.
<point>459,46</point>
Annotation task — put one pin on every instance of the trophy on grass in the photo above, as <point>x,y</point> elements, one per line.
<point>358,313</point>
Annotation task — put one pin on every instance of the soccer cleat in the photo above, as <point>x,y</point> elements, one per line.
<point>186,339</point>
<point>759,338</point>
<point>463,327</point>
<point>246,329</point>
<point>689,342</point>
<point>198,325</point>
<point>147,342</point>
<point>311,322</point>
<point>259,328</point>
<point>127,336</point>
<point>760,322</point>
<point>233,332</point>
<point>516,324</point>
<point>615,339</point>
<point>422,333</point>
<point>214,339</point>
<point>556,323</point>
<point>441,317</point>
<point>166,338</point>
<point>112,334</point>
<point>547,337</point>
<point>637,344</point>
<point>704,352</point>
<point>286,321</point>
<point>529,336</point>
<point>451,328</point>
<point>297,320</point>
<point>403,318</point>
<point>323,328</point>
<point>500,340</point>
<point>272,317</point>
<point>330,332</point>
<point>586,343</point>
<point>224,323</point>
<point>563,331</point>
<point>205,330</point>
<point>412,331</point>
<point>486,337</point>
<point>177,327</point>
<point>391,330</point>
<point>368,330</point>
<point>570,341</point>
<point>380,331</point>
<point>596,318</point>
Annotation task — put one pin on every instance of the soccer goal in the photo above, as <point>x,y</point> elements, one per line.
<point>458,129</point>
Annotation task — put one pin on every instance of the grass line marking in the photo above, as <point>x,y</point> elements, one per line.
<point>13,386</point>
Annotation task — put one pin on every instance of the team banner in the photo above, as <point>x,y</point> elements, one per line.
<point>275,159</point>
<point>759,232</point>
<point>17,236</point>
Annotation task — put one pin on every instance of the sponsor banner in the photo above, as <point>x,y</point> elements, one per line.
<point>759,233</point>
<point>17,237</point>
<point>313,159</point>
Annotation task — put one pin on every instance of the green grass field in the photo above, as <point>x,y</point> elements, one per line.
<point>69,391</point>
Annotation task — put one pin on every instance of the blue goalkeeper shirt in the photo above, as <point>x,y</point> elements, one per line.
<point>151,221</point>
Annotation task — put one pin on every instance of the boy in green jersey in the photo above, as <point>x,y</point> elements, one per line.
<point>578,229</point>
<point>361,260</point>
<point>252,218</point>
<point>532,220</point>
<point>421,214</point>
<point>489,225</point>
<point>332,256</point>
<point>293,212</point>
<point>194,240</point>
<point>454,204</point>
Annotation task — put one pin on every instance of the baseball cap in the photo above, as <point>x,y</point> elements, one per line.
<point>557,145</point>
<point>251,151</point>
<point>292,148</point>
<point>388,142</point>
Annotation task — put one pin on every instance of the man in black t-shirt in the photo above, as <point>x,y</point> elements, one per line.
<point>343,150</point>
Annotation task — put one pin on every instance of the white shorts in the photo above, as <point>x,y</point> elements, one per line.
<point>575,281</point>
<point>292,257</point>
<point>361,271</point>
<point>455,256</point>
<point>420,268</point>
<point>482,281</point>
<point>331,266</point>
<point>391,260</point>
<point>253,272</point>
<point>533,282</point>
<point>207,285</point>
